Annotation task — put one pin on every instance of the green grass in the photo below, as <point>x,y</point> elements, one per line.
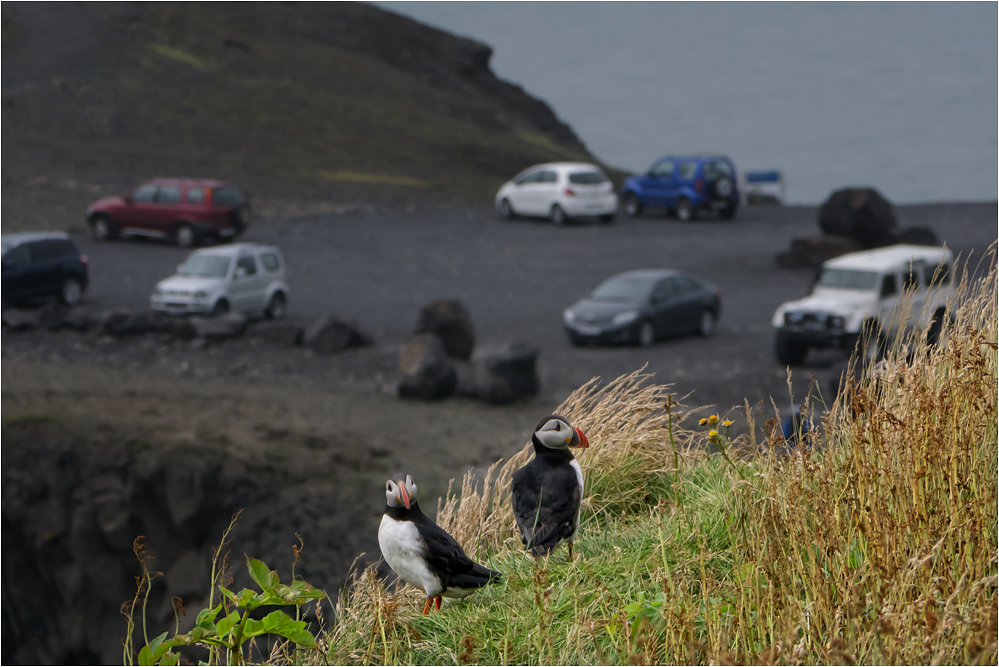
<point>876,545</point>
<point>182,57</point>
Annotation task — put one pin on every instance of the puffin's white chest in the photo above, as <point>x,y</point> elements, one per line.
<point>403,550</point>
<point>579,478</point>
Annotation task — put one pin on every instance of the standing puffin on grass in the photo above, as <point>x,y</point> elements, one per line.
<point>423,554</point>
<point>548,491</point>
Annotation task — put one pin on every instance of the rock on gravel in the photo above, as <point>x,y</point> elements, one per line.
<point>506,373</point>
<point>329,335</point>
<point>427,372</point>
<point>859,213</point>
<point>449,321</point>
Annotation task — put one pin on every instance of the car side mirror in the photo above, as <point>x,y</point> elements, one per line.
<point>240,273</point>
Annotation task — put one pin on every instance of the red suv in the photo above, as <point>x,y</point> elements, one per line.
<point>185,210</point>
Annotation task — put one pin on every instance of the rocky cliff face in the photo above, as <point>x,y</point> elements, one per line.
<point>73,506</point>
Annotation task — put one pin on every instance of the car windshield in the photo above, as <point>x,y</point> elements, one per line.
<point>848,279</point>
<point>624,288</point>
<point>204,266</point>
<point>587,178</point>
<point>226,197</point>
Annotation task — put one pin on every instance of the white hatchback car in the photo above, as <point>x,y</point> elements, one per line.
<point>559,191</point>
<point>243,277</point>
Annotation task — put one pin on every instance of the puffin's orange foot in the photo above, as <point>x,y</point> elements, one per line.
<point>426,607</point>
<point>437,602</point>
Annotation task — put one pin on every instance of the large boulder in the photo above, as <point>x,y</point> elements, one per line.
<point>810,251</point>
<point>329,335</point>
<point>114,322</point>
<point>449,321</point>
<point>506,373</point>
<point>22,319</point>
<point>427,372</point>
<point>861,214</point>
<point>918,236</point>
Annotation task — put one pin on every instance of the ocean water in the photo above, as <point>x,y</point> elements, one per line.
<point>900,96</point>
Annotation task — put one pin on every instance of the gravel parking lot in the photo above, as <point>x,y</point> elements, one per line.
<point>378,268</point>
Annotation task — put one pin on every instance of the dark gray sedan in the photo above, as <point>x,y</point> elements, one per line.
<point>643,306</point>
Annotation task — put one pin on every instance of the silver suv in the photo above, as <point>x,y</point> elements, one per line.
<point>244,277</point>
<point>855,298</point>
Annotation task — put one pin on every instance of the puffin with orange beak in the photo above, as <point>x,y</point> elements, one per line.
<point>548,491</point>
<point>422,553</point>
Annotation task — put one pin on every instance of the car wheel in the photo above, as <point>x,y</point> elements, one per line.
<point>728,212</point>
<point>790,352</point>
<point>558,215</point>
<point>607,219</point>
<point>684,209</point>
<point>71,292</point>
<point>184,235</point>
<point>506,210</point>
<point>102,229</point>
<point>632,207</point>
<point>706,323</point>
<point>646,334</point>
<point>871,343</point>
<point>278,307</point>
<point>935,332</point>
<point>241,219</point>
<point>221,308</point>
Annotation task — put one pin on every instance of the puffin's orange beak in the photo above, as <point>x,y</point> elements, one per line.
<point>583,442</point>
<point>404,496</point>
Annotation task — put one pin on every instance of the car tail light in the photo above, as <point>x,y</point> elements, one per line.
<point>84,260</point>
<point>699,185</point>
<point>570,192</point>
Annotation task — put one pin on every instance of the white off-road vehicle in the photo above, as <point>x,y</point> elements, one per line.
<point>855,297</point>
<point>241,277</point>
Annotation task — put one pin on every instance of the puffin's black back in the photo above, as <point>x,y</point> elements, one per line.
<point>546,498</point>
<point>444,556</point>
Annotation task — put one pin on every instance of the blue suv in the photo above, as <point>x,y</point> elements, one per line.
<point>685,186</point>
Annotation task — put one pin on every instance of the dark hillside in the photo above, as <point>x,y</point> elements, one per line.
<point>337,98</point>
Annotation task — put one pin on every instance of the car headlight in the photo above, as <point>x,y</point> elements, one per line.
<point>569,316</point>
<point>835,322</point>
<point>626,317</point>
<point>200,294</point>
<point>791,317</point>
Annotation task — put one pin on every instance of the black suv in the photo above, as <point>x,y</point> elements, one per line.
<point>43,264</point>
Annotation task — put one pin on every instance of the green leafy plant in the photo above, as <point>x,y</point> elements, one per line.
<point>226,627</point>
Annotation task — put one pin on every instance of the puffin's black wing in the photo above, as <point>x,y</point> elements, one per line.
<point>545,504</point>
<point>449,561</point>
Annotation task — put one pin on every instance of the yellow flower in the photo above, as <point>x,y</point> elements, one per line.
<point>712,433</point>
<point>713,419</point>
<point>703,421</point>
<point>727,423</point>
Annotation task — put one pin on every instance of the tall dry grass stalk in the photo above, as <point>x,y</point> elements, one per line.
<point>883,548</point>
<point>635,431</point>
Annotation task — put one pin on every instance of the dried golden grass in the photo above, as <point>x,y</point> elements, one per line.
<point>635,431</point>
